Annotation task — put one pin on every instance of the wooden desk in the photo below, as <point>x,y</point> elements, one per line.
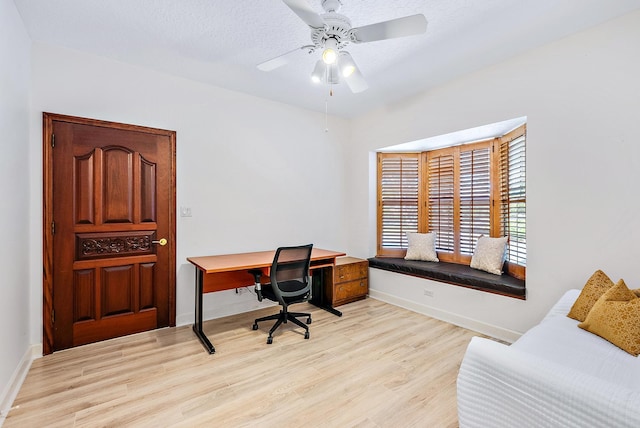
<point>229,271</point>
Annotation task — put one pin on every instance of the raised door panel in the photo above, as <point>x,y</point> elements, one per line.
<point>84,188</point>
<point>147,279</point>
<point>117,185</point>
<point>148,181</point>
<point>117,290</point>
<point>84,302</point>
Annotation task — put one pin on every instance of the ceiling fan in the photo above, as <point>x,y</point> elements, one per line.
<point>331,32</point>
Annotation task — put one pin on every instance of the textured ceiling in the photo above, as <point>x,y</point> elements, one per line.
<point>221,42</point>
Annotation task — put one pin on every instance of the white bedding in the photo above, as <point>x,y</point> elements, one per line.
<point>559,339</point>
<point>555,375</point>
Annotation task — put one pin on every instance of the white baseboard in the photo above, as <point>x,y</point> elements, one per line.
<point>11,390</point>
<point>468,323</point>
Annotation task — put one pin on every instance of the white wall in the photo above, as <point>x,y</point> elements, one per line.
<point>255,173</point>
<point>581,95</point>
<point>14,194</point>
<point>582,99</point>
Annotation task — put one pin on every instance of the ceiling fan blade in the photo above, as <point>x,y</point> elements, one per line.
<point>400,27</point>
<point>283,59</point>
<point>305,12</point>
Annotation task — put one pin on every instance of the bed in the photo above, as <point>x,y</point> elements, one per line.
<point>555,375</point>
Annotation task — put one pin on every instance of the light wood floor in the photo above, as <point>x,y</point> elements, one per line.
<point>377,366</point>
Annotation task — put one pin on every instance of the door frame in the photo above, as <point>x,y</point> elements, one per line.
<point>48,344</point>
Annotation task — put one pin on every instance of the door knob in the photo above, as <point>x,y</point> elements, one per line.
<point>162,242</point>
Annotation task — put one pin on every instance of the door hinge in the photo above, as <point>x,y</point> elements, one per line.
<point>53,316</point>
<point>53,140</point>
<point>53,227</point>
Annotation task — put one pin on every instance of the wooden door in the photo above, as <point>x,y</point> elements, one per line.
<point>109,230</point>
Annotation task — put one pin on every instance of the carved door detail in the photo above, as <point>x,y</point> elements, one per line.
<point>112,237</point>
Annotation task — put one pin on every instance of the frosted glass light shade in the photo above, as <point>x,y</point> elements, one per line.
<point>317,76</point>
<point>346,64</point>
<point>330,54</point>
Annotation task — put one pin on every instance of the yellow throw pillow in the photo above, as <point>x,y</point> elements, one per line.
<point>616,318</point>
<point>595,287</point>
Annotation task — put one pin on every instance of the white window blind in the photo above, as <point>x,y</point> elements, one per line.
<point>399,178</point>
<point>475,197</point>
<point>441,190</point>
<point>513,198</point>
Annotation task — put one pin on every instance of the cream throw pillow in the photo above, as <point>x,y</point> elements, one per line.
<point>616,318</point>
<point>595,287</point>
<point>422,246</point>
<point>489,254</point>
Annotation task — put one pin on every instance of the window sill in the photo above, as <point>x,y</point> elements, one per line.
<point>455,274</point>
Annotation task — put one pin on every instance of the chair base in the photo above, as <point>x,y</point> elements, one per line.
<point>284,317</point>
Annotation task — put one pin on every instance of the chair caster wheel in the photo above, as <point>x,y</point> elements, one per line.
<point>269,340</point>
<point>306,335</point>
<point>255,326</point>
<point>309,320</point>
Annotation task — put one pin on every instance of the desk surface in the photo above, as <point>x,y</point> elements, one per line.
<point>245,261</point>
<point>227,271</point>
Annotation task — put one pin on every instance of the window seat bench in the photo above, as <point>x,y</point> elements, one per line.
<point>453,273</point>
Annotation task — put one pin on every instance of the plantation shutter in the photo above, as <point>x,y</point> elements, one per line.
<point>460,193</point>
<point>398,178</point>
<point>441,190</point>
<point>475,197</point>
<point>513,196</point>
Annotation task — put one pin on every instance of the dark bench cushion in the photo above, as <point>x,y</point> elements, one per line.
<point>453,273</point>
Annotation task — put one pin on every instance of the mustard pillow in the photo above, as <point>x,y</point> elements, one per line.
<point>595,287</point>
<point>616,318</point>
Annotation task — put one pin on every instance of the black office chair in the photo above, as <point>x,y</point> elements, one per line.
<point>289,284</point>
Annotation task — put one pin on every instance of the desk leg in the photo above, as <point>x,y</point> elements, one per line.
<point>197,326</point>
<point>318,298</point>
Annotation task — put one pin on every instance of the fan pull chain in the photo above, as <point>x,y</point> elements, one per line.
<point>326,115</point>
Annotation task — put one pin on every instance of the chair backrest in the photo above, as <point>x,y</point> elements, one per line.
<point>290,271</point>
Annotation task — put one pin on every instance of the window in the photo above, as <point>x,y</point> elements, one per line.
<point>399,180</point>
<point>513,200</point>
<point>459,198</point>
<point>458,192</point>
<point>441,199</point>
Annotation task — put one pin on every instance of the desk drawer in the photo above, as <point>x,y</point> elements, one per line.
<point>350,291</point>
<point>351,271</point>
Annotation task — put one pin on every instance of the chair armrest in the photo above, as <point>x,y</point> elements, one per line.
<point>257,273</point>
<point>500,386</point>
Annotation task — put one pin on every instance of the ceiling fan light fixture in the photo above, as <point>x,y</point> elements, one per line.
<point>330,53</point>
<point>346,63</point>
<point>331,32</point>
<point>333,75</point>
<point>317,76</point>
